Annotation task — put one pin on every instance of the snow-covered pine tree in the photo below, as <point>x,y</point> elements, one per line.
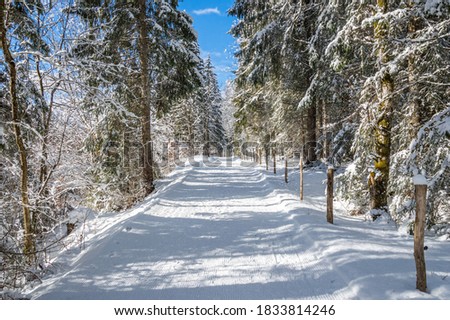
<point>423,75</point>
<point>335,108</point>
<point>274,64</point>
<point>383,113</point>
<point>160,51</point>
<point>256,83</point>
<point>106,61</point>
<point>184,116</point>
<point>215,128</point>
<point>407,53</point>
<point>198,118</point>
<point>429,154</point>
<point>298,20</point>
<point>349,53</point>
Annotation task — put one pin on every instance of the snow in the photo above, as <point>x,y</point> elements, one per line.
<point>435,7</point>
<point>235,231</point>
<point>419,179</point>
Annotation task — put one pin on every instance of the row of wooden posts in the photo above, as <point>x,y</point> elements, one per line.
<point>419,224</point>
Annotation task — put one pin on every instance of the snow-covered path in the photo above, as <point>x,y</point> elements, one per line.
<point>233,232</point>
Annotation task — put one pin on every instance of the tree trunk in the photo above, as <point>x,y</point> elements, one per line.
<point>419,235</point>
<point>274,154</point>
<point>191,133</point>
<point>144,47</point>
<point>286,169</point>
<point>311,122</point>
<point>206,148</point>
<point>380,181</point>
<point>45,128</point>
<point>266,151</point>
<point>326,143</point>
<point>311,135</point>
<point>29,243</point>
<point>383,147</point>
<point>330,178</point>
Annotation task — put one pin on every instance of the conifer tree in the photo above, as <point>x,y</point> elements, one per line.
<point>163,57</point>
<point>216,133</point>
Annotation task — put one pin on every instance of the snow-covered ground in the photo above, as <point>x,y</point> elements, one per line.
<point>237,232</point>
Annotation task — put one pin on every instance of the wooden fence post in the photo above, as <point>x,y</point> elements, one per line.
<point>419,232</point>
<point>274,160</point>
<point>301,177</point>
<point>285,168</point>
<point>267,158</point>
<point>330,177</point>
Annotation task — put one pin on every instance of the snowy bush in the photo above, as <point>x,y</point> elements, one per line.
<point>430,155</point>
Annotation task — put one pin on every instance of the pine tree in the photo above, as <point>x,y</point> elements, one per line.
<point>228,110</point>
<point>216,133</point>
<point>198,118</point>
<point>274,64</point>
<point>404,53</point>
<point>164,59</point>
<point>183,116</point>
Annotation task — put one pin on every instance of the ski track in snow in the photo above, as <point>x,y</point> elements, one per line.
<point>236,232</point>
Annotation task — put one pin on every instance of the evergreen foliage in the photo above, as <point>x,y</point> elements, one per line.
<point>354,83</point>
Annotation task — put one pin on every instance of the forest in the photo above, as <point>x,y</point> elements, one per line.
<point>98,97</point>
<point>363,84</point>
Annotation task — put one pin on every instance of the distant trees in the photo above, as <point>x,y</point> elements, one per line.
<point>198,119</point>
<point>275,80</point>
<point>354,82</point>
<point>215,133</point>
<point>228,110</point>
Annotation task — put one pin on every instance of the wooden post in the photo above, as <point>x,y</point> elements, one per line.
<point>267,158</point>
<point>301,177</point>
<point>285,168</point>
<point>419,232</point>
<point>330,177</point>
<point>274,152</point>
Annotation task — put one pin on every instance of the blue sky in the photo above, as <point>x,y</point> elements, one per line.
<point>212,24</point>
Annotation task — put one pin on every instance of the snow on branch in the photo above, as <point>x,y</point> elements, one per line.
<point>430,151</point>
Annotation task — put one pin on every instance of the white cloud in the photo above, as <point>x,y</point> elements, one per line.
<point>207,11</point>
